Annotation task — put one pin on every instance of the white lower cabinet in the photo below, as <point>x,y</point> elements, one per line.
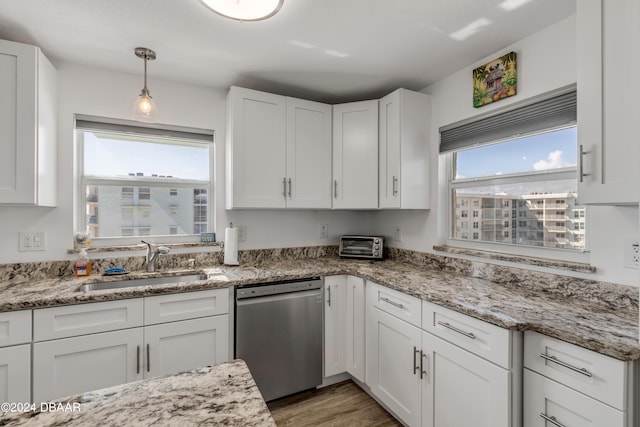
<point>15,356</point>
<point>393,363</point>
<point>432,381</point>
<point>180,346</point>
<point>567,385</point>
<point>355,347</point>
<point>549,403</point>
<point>454,379</point>
<point>344,326</point>
<point>15,374</point>
<point>90,361</point>
<point>334,325</point>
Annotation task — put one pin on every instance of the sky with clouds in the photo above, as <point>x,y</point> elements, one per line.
<point>534,153</point>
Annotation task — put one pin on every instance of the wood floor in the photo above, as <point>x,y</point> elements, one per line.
<point>342,404</point>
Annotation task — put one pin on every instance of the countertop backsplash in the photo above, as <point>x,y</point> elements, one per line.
<point>611,294</point>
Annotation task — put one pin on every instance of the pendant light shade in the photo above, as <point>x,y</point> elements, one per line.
<point>145,108</point>
<point>245,10</point>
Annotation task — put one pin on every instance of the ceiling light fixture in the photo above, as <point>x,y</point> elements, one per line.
<point>145,108</point>
<point>245,10</point>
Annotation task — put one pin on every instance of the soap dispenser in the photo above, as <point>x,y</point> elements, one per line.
<point>83,265</point>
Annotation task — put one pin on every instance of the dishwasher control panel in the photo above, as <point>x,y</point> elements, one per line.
<point>274,288</point>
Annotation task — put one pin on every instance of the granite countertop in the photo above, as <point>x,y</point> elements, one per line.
<point>224,394</point>
<point>597,318</point>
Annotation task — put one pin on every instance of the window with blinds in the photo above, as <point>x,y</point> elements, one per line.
<point>513,175</point>
<point>138,181</point>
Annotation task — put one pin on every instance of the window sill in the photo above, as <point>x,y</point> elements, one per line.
<point>142,247</point>
<point>520,259</point>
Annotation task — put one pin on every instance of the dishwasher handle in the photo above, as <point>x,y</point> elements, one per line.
<point>278,297</point>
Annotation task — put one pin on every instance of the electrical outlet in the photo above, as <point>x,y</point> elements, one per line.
<point>397,233</point>
<point>242,233</point>
<point>631,253</point>
<point>324,231</point>
<point>31,241</point>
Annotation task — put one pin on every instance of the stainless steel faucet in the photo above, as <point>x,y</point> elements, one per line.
<point>152,255</point>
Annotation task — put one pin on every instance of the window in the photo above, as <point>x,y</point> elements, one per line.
<point>142,181</point>
<point>524,157</point>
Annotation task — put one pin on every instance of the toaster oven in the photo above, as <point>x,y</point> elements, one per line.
<point>368,247</point>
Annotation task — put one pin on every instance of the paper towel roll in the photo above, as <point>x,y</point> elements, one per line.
<point>231,246</point>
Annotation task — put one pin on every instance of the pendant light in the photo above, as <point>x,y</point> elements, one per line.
<point>145,108</point>
<point>245,10</point>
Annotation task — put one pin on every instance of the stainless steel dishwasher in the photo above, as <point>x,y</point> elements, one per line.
<point>279,335</point>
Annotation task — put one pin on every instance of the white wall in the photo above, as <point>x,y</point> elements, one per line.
<point>105,93</point>
<point>546,61</point>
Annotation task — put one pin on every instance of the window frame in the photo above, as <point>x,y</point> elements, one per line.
<point>447,186</point>
<point>81,181</point>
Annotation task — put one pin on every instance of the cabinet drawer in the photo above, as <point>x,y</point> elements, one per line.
<point>488,341</point>
<point>188,305</point>
<point>566,407</point>
<point>15,327</point>
<point>73,320</point>
<point>591,373</point>
<point>396,303</point>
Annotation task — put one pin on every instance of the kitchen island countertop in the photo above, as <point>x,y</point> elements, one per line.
<point>224,394</point>
<point>602,318</point>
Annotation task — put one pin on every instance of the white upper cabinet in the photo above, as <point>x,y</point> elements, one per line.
<point>255,149</point>
<point>308,154</point>
<point>608,109</point>
<point>278,151</point>
<point>355,155</point>
<point>28,118</point>
<point>404,150</point>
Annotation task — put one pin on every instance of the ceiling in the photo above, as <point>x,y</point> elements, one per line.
<point>326,50</point>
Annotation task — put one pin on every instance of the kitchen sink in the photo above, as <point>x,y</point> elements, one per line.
<point>149,281</point>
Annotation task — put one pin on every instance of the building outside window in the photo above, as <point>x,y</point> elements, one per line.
<point>159,188</point>
<point>533,172</point>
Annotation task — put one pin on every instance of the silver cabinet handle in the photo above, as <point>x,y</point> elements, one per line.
<point>553,359</point>
<point>329,300</point>
<point>289,187</point>
<point>148,359</point>
<point>335,189</point>
<point>460,331</point>
<point>284,187</point>
<point>581,161</point>
<point>552,420</point>
<point>137,359</point>
<point>415,366</point>
<point>395,185</point>
<point>422,371</point>
<point>397,304</point>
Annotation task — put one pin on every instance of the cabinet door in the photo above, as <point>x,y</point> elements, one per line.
<point>404,150</point>
<point>461,389</point>
<point>15,374</point>
<point>18,67</point>
<point>355,155</point>
<point>355,349</point>
<point>548,403</point>
<point>28,120</point>
<point>308,154</point>
<point>255,149</point>
<point>79,364</point>
<point>393,349</point>
<point>181,346</point>
<point>334,325</point>
<point>608,109</point>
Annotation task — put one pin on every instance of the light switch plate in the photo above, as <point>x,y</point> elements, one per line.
<point>31,241</point>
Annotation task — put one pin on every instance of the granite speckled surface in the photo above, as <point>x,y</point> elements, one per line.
<point>224,394</point>
<point>599,316</point>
